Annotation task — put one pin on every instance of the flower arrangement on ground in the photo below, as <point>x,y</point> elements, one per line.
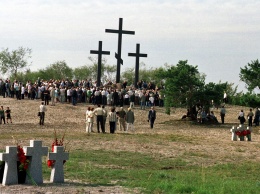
<point>23,165</point>
<point>243,133</point>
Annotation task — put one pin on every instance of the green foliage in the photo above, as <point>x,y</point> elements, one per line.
<point>82,73</point>
<point>58,70</point>
<point>13,61</point>
<point>211,91</point>
<point>250,100</point>
<point>28,75</point>
<point>107,71</point>
<point>250,74</point>
<point>183,82</point>
<point>128,75</point>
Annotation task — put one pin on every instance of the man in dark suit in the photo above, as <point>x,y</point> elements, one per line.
<point>151,116</point>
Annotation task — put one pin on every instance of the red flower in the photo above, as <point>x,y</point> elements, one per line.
<point>238,133</point>
<point>50,163</point>
<point>24,163</point>
<point>56,142</point>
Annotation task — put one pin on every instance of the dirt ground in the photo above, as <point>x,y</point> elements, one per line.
<point>198,140</point>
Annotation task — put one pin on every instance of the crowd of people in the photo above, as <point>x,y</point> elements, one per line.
<point>125,119</point>
<point>202,116</point>
<point>85,91</point>
<point>145,95</point>
<point>252,118</point>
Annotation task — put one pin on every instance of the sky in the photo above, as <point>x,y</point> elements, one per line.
<point>218,36</point>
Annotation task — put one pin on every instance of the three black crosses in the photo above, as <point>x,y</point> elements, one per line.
<point>120,32</point>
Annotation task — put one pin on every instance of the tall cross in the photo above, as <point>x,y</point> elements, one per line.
<point>137,55</point>
<point>35,153</point>
<point>120,32</point>
<point>100,53</point>
<point>10,172</point>
<point>57,172</point>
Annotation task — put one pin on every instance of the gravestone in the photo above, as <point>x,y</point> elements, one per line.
<point>234,135</point>
<point>241,128</point>
<point>35,152</point>
<point>120,32</point>
<point>57,172</point>
<point>249,134</point>
<point>137,55</point>
<point>10,172</point>
<point>100,53</point>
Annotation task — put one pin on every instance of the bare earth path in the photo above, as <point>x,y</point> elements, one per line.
<point>197,144</point>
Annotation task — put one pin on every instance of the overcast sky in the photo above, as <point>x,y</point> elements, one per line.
<point>219,36</point>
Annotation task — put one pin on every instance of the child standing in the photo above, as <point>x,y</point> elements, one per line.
<point>8,115</point>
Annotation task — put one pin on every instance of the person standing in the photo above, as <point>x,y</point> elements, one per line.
<point>99,113</point>
<point>142,100</point>
<point>257,116</point>
<point>52,95</point>
<point>130,119</point>
<point>222,114</point>
<point>46,96</point>
<point>250,117</point>
<point>2,115</point>
<point>87,124</point>
<point>104,117</point>
<point>74,96</point>
<point>225,99</point>
<point>151,116</point>
<point>8,115</point>
<point>90,119</point>
<point>241,117</point>
<point>42,113</point>
<point>121,115</point>
<point>112,118</point>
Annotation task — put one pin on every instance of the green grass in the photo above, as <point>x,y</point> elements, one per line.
<point>150,172</point>
<point>159,175</point>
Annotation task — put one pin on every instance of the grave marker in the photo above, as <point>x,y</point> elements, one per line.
<point>120,32</point>
<point>35,153</point>
<point>57,172</point>
<point>10,172</point>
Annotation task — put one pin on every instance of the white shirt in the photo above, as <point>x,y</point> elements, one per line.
<point>241,114</point>
<point>43,108</point>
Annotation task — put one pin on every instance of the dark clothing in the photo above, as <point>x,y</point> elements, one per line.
<point>112,125</point>
<point>151,117</point>
<point>46,97</point>
<point>242,120</point>
<point>257,117</point>
<point>222,118</point>
<point>2,116</point>
<point>101,122</point>
<point>42,115</point>
<point>115,98</point>
<point>74,96</point>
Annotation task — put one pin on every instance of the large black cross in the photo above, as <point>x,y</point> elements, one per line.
<point>137,55</point>
<point>120,32</point>
<point>100,53</point>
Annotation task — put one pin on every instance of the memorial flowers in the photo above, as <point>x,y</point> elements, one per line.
<point>243,133</point>
<point>56,142</point>
<point>24,162</point>
<point>23,165</point>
